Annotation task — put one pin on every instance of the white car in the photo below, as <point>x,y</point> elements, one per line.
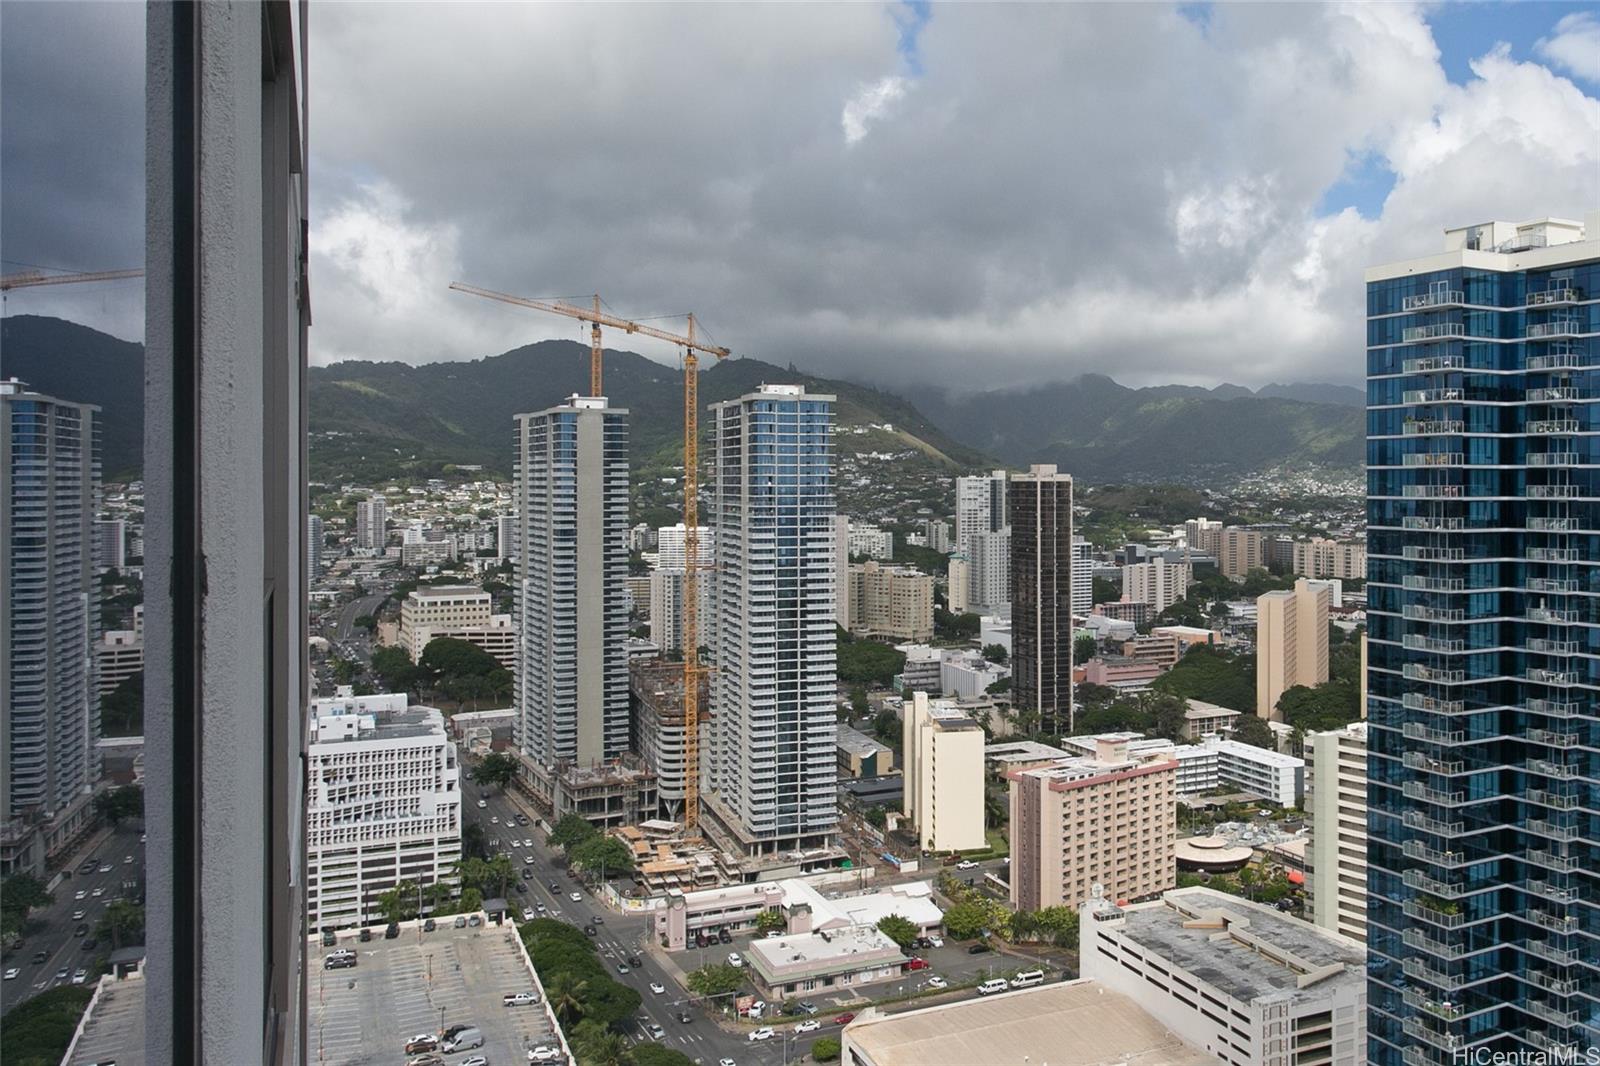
<point>483,805</point>
<point>475,1060</point>
<point>80,977</point>
<point>543,1054</point>
<point>966,864</point>
<point>938,982</point>
<point>127,860</point>
<point>727,1062</point>
<point>82,893</point>
<point>11,974</point>
<point>936,941</point>
<point>657,988</point>
<point>529,914</point>
<point>98,892</point>
<point>576,897</point>
<point>527,860</point>
<point>494,819</point>
<point>763,1033</point>
<point>810,1026</point>
<point>105,867</point>
<point>78,916</point>
<point>1006,861</point>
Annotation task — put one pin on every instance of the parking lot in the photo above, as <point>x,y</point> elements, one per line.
<point>421,982</point>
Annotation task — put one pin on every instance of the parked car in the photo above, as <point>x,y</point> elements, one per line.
<point>466,1038</point>
<point>936,941</point>
<point>520,999</point>
<point>80,976</point>
<point>474,920</point>
<point>461,921</point>
<point>392,932</point>
<point>734,959</point>
<point>474,1060</point>
<point>966,864</point>
<point>763,1033</point>
<point>809,1026</point>
<point>422,1042</point>
<point>90,944</point>
<point>807,1007</point>
<point>938,982</point>
<point>12,974</point>
<point>79,916</point>
<point>529,914</point>
<point>916,963</point>
<point>63,973</point>
<point>544,1053</point>
<point>365,936</point>
<point>844,1019</point>
<point>978,949</point>
<point>724,936</point>
<point>429,926</point>
<point>39,957</point>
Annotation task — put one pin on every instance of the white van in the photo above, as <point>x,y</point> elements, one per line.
<point>996,984</point>
<point>1027,979</point>
<point>465,1040</point>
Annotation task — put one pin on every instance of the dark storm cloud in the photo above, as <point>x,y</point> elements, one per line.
<point>72,154</point>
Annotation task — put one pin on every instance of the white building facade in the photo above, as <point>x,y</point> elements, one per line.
<point>1338,801</point>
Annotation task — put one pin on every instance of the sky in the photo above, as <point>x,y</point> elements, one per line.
<point>963,195</point>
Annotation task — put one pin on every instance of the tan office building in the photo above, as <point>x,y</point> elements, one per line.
<point>1241,551</point>
<point>462,612</point>
<point>895,602</point>
<point>942,749</point>
<point>1323,558</point>
<point>1291,642</point>
<point>1107,820</point>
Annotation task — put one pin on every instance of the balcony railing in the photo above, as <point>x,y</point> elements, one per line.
<point>1556,327</point>
<point>1420,970</point>
<point>1552,739</point>
<point>1549,952</point>
<point>1552,459</point>
<point>1427,553</point>
<point>1554,708</point>
<point>1562,1018</point>
<point>1424,583</point>
<point>1416,760</point>
<point>1416,849</point>
<point>1432,492</point>
<point>1429,524</point>
<point>1545,827</point>
<point>1437,1008</point>
<point>1418,612</point>
<point>1559,986</point>
<point>1552,584</point>
<point>1434,459</point>
<point>1560,923</point>
<point>1433,886</point>
<point>1433,364</point>
<point>1553,394</point>
<point>1416,701</point>
<point>1552,425</point>
<point>1551,525</point>
<point>1560,678</point>
<point>1438,298</point>
<point>1554,615</point>
<point>1443,1041</point>
<point>1432,396</point>
<point>1419,672</point>
<point>1418,731</point>
<point>1418,791</point>
<point>1554,893</point>
<point>1434,331</point>
<point>1551,861</point>
<point>1560,355</point>
<point>1554,492</point>
<point>1552,555</point>
<point>1551,297</point>
<point>1438,827</point>
<point>1418,642</point>
<point>1559,771</point>
<point>1553,647</point>
<point>1429,426</point>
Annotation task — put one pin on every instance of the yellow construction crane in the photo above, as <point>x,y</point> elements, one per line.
<point>691,502</point>
<point>29,278</point>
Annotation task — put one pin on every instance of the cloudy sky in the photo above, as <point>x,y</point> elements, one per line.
<point>972,195</point>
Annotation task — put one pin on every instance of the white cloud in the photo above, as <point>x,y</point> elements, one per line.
<point>870,104</point>
<point>1575,46</point>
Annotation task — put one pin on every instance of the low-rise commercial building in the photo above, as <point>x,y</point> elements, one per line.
<point>1164,651</point>
<point>1188,636</point>
<point>1122,673</point>
<point>383,804</point>
<point>1201,718</point>
<point>1134,612</point>
<point>1338,802</point>
<point>921,670</point>
<point>861,755</point>
<point>1241,980</point>
<point>943,752</point>
<point>803,908</point>
<point>1008,755</point>
<point>1071,1023</point>
<point>1272,775</point>
<point>1105,822</point>
<point>824,960</point>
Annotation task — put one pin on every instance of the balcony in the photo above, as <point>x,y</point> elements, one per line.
<point>1554,893</point>
<point>1416,760</point>
<point>1434,459</point>
<point>1552,459</point>
<point>1554,708</point>
<point>1563,1018</point>
<point>1420,970</point>
<point>1561,356</point>
<point>1419,672</point>
<point>1438,298</point>
<point>1433,886</point>
<point>1426,553</point>
<point>1443,1041</point>
<point>1553,394</point>
<point>1559,678</point>
<point>1554,492</point>
<point>1554,800</point>
<point>1552,584</point>
<point>1437,331</point>
<point>1418,642</point>
<point>1552,555</point>
<point>1551,525</point>
<point>1546,426</point>
<point>1433,364</point>
<point>1434,525</point>
<point>1544,950</point>
<point>1418,731</point>
<point>1437,1008</point>
<point>1557,327</point>
<point>1416,701</point>
<point>1545,827</point>
<point>1559,986</point>
<point>1418,612</point>
<point>1432,396</point>
<point>1431,426</point>
<point>1424,583</point>
<point>1418,820</point>
<point>1553,615</point>
<point>1414,938</point>
<point>1418,791</point>
<point>1432,492</point>
<point>1553,647</point>
<point>1552,739</point>
<point>1558,771</point>
<point>1551,297</point>
<point>1551,861</point>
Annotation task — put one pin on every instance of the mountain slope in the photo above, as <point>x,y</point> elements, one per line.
<point>1102,431</point>
<point>73,362</point>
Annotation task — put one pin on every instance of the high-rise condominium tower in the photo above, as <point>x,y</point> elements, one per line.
<point>50,621</point>
<point>772,766</point>
<point>571,608</point>
<point>983,535</point>
<point>313,547</point>
<point>1040,505</point>
<point>372,524</point>
<point>1483,563</point>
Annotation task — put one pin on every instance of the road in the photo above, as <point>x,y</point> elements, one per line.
<point>64,951</point>
<point>621,937</point>
<point>355,609</point>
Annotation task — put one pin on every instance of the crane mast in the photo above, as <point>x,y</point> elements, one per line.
<point>692,670</point>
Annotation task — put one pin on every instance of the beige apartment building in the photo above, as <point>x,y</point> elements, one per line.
<point>942,750</point>
<point>463,612</point>
<point>1291,642</point>
<point>1338,802</point>
<point>894,602</point>
<point>1240,551</point>
<point>1323,558</point>
<point>1109,820</point>
<point>1159,583</point>
<point>1203,535</point>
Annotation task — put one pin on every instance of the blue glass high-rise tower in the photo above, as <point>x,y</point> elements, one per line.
<point>1483,537</point>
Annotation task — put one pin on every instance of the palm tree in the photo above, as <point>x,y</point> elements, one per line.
<point>122,919</point>
<point>500,871</point>
<point>605,1048</point>
<point>566,999</point>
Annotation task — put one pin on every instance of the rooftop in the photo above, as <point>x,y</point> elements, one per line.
<point>1022,751</point>
<point>1077,1023</point>
<point>114,1031</point>
<point>1255,754</point>
<point>1247,950</point>
<point>441,592</point>
<point>824,951</point>
<point>337,724</point>
<point>858,743</point>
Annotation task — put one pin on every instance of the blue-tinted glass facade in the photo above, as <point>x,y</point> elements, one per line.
<point>1483,435</point>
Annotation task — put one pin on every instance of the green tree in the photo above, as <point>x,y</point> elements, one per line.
<point>718,979</point>
<point>1106,591</point>
<point>566,998</point>
<point>603,856</point>
<point>471,900</point>
<point>1083,648</point>
<point>117,804</point>
<point>474,841</point>
<point>497,769</point>
<point>826,1049</point>
<point>572,829</point>
<point>995,653</point>
<point>1213,675</point>
<point>866,662</point>
<point>1254,730</point>
<point>900,929</point>
<point>596,1045</point>
<point>876,816</point>
<point>859,707</point>
<point>399,904</point>
<point>451,656</point>
<point>394,667</point>
<point>19,894</point>
<point>770,921</point>
<point>948,626</point>
<point>886,726</point>
<point>966,920</point>
<point>365,621</point>
<point>37,1031</point>
<point>123,922</point>
<point>498,873</point>
<point>122,709</point>
<point>653,1054</point>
